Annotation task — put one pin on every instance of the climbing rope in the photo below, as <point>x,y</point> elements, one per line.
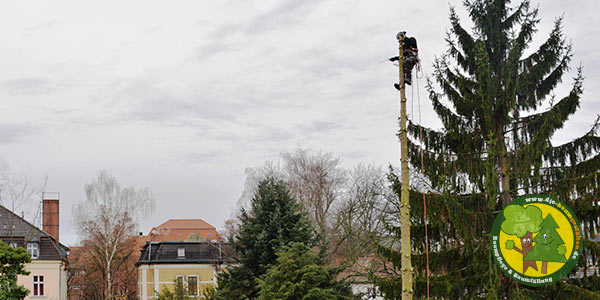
<point>423,176</point>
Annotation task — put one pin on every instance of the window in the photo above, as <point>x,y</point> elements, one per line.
<point>180,252</point>
<point>192,285</point>
<point>179,280</point>
<point>32,249</point>
<point>14,244</point>
<point>38,285</point>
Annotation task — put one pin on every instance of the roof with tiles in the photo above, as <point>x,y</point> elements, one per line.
<point>14,229</point>
<point>186,224</point>
<point>181,230</point>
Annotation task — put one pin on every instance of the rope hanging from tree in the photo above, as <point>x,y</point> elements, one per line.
<point>419,70</point>
<point>423,178</point>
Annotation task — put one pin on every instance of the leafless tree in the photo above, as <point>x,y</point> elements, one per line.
<point>106,221</point>
<point>254,176</point>
<point>230,229</point>
<point>20,197</point>
<point>317,180</point>
<point>359,218</point>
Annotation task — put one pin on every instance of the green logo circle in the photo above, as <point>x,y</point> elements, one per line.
<point>536,240</point>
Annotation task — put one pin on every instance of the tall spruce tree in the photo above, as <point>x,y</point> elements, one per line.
<point>275,220</point>
<point>498,119</point>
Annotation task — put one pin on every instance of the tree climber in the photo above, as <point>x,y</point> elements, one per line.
<point>411,58</point>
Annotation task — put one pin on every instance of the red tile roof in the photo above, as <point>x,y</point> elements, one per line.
<point>186,224</point>
<point>180,230</point>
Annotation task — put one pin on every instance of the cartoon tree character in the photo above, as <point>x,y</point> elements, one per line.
<point>522,222</point>
<point>548,245</point>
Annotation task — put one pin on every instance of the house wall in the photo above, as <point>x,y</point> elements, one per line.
<point>55,279</point>
<point>153,278</point>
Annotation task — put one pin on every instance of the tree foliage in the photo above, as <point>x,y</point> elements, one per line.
<point>274,221</point>
<point>179,292</point>
<point>301,274</point>
<point>499,115</point>
<point>12,264</point>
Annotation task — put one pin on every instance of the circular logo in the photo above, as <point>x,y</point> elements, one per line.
<point>536,240</point>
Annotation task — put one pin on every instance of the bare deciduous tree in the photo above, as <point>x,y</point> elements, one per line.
<point>17,194</point>
<point>317,180</point>
<point>359,218</point>
<point>106,221</point>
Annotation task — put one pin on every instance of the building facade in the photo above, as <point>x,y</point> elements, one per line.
<point>196,264</point>
<point>48,275</point>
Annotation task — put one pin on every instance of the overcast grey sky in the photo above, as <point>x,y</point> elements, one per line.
<point>182,96</point>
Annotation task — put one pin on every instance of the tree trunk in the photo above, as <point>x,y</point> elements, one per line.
<point>406,249</point>
<point>502,161</point>
<point>108,285</point>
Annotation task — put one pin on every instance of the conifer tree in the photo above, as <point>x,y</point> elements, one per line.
<point>301,274</point>
<point>499,114</point>
<point>275,220</point>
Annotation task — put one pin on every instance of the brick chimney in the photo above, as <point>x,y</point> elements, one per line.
<point>50,217</point>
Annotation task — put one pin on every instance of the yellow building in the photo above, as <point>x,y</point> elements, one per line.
<point>196,264</point>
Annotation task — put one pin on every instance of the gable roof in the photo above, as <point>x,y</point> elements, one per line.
<point>181,230</point>
<point>14,228</point>
<point>185,224</point>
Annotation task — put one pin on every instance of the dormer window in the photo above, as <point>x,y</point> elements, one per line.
<point>33,250</point>
<point>181,252</point>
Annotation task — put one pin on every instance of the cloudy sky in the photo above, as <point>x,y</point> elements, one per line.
<point>183,96</point>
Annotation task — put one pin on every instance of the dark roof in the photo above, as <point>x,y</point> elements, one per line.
<point>195,253</point>
<point>17,230</point>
